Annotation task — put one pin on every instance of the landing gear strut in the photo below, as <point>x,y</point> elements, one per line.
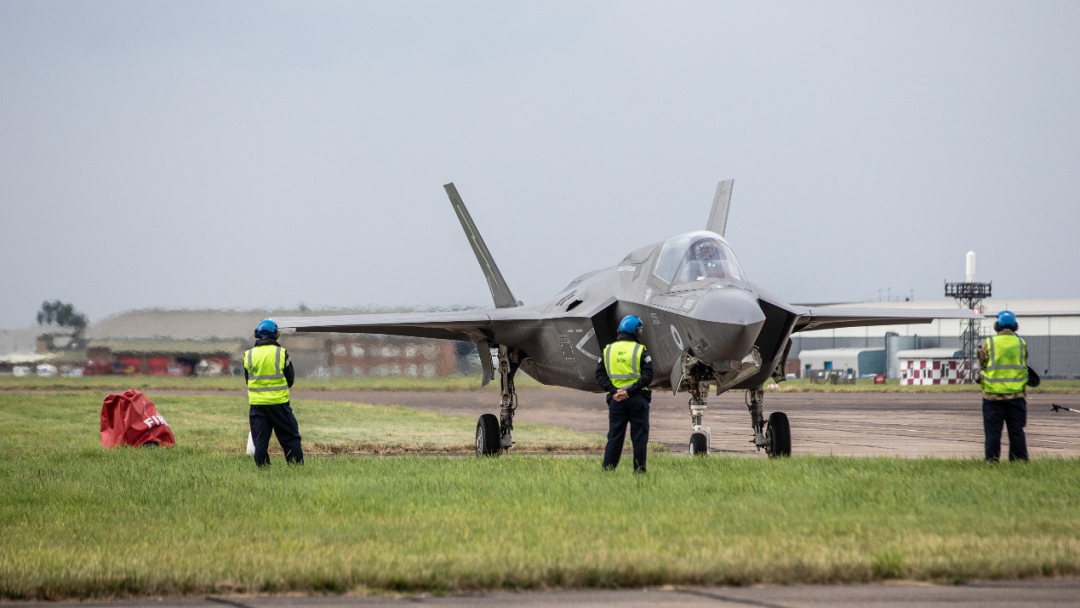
<point>701,438</point>
<point>775,438</point>
<point>494,436</point>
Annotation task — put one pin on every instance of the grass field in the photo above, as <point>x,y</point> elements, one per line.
<point>77,521</point>
<point>62,422</point>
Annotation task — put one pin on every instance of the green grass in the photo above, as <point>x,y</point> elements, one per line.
<point>133,522</point>
<point>228,383</point>
<point>62,422</point>
<point>77,521</point>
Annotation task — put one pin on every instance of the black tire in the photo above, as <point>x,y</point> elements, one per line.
<point>699,444</point>
<point>778,435</point>
<point>487,435</point>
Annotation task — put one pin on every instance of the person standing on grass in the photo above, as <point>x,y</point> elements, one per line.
<point>624,372</point>
<point>1003,358</point>
<point>269,375</point>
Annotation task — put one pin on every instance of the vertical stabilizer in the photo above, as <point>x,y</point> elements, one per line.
<point>720,204</point>
<point>500,292</point>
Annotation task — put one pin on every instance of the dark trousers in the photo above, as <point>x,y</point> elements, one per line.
<point>634,411</point>
<point>1013,412</point>
<point>280,419</point>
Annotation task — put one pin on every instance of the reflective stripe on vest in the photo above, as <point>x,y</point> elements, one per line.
<point>622,360</point>
<point>265,366</point>
<point>1006,367</point>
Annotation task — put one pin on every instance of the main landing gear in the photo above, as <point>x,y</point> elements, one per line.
<point>773,436</point>
<point>495,435</point>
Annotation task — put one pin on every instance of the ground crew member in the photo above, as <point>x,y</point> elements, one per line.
<point>1003,358</point>
<point>269,374</point>
<point>624,372</point>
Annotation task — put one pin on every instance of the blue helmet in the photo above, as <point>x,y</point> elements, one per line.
<point>1007,320</point>
<point>630,324</point>
<point>267,328</point>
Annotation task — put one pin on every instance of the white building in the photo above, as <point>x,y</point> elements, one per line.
<point>931,366</point>
<point>1050,327</point>
<point>858,362</point>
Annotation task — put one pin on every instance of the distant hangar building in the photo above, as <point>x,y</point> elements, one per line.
<point>212,342</point>
<point>1050,327</point>
<point>858,361</point>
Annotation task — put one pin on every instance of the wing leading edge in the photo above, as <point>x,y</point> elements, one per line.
<point>468,325</point>
<point>833,317</point>
<point>481,327</point>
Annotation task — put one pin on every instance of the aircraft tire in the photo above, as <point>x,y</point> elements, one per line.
<point>699,444</point>
<point>778,435</point>
<point>487,436</point>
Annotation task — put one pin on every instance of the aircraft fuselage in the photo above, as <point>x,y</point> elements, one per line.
<point>717,320</point>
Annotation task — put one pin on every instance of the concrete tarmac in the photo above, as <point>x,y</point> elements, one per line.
<point>910,425</point>
<point>1060,592</point>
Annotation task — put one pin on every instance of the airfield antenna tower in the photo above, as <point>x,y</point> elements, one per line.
<point>970,295</point>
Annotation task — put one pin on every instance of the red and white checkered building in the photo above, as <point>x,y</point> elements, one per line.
<point>931,366</point>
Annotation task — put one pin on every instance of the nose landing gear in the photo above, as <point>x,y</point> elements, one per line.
<point>701,438</point>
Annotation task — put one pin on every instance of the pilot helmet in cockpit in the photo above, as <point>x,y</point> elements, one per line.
<point>706,250</point>
<point>706,260</point>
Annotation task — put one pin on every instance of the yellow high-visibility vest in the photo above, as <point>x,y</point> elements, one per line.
<point>622,360</point>
<point>265,366</point>
<point>1006,367</point>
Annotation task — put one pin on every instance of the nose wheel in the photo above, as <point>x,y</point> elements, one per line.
<point>699,444</point>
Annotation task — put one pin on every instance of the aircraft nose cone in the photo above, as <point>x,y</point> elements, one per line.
<point>728,322</point>
<point>730,306</point>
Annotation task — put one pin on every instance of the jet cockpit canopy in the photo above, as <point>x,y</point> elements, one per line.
<point>697,256</point>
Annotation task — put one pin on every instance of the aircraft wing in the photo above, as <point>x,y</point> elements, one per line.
<point>832,317</point>
<point>467,325</point>
<point>476,326</point>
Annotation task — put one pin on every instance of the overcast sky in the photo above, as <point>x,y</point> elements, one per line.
<point>256,154</point>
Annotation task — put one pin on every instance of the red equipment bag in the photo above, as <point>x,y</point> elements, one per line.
<point>130,418</point>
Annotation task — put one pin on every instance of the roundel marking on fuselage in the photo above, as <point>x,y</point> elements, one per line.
<point>678,339</point>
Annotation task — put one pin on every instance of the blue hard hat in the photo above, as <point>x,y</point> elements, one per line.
<point>630,324</point>
<point>1007,319</point>
<point>267,328</point>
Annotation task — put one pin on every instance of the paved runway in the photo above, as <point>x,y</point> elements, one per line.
<point>909,425</point>
<point>1024,593</point>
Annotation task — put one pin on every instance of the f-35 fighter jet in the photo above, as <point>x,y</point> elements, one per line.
<point>706,326</point>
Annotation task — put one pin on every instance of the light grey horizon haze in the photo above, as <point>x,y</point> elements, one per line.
<point>267,154</point>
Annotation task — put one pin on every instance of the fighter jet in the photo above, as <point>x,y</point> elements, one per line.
<point>706,325</point>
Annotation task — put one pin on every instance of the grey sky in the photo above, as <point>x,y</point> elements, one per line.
<point>246,154</point>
